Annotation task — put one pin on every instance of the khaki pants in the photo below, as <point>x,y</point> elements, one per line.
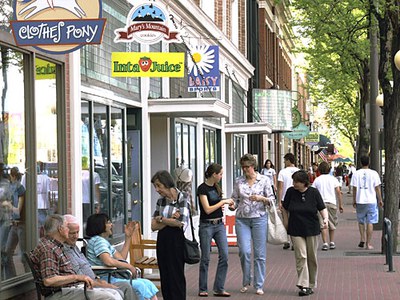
<point>305,252</point>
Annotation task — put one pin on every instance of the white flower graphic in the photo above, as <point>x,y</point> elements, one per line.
<point>203,57</point>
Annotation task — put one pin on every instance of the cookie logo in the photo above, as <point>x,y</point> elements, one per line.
<point>147,22</point>
<point>57,26</point>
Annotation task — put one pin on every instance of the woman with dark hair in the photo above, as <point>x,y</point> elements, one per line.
<point>212,227</point>
<point>170,219</point>
<point>251,193</point>
<point>269,171</point>
<point>300,208</point>
<point>100,252</point>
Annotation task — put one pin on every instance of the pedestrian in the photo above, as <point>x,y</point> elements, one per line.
<point>269,171</point>
<point>100,252</point>
<point>57,278</point>
<point>339,175</point>
<point>300,208</point>
<point>285,181</point>
<point>170,219</point>
<point>366,190</point>
<point>251,193</point>
<point>329,188</point>
<point>81,265</point>
<point>352,170</point>
<point>212,227</point>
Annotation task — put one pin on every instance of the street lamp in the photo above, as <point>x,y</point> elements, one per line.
<point>397,60</point>
<point>380,100</point>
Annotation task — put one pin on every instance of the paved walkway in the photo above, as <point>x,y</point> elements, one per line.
<point>347,272</point>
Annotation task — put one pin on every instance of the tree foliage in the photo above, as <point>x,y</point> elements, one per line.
<point>337,53</point>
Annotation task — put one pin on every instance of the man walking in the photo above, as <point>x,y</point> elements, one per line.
<point>57,279</point>
<point>366,190</point>
<point>285,181</point>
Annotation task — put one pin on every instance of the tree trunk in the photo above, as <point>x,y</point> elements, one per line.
<point>389,25</point>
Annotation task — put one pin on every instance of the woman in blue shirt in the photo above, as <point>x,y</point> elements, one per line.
<point>100,252</point>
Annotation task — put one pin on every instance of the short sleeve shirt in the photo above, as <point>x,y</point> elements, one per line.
<point>49,260</point>
<point>365,180</point>
<point>166,208</point>
<point>98,245</point>
<point>303,218</point>
<point>285,176</point>
<point>326,185</point>
<point>247,208</point>
<point>212,197</point>
<point>78,261</point>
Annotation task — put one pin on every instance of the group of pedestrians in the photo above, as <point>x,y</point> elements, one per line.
<point>308,209</point>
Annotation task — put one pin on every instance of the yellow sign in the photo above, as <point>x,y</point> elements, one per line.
<point>312,137</point>
<point>149,64</point>
<point>45,69</point>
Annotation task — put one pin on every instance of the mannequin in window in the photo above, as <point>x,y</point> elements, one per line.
<point>43,196</point>
<point>86,189</point>
<point>183,177</point>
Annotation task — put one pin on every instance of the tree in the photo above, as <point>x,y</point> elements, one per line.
<point>338,57</point>
<point>388,17</point>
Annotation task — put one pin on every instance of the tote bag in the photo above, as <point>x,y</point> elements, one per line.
<point>277,234</point>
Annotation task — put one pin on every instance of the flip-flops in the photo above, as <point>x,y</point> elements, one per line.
<point>203,294</point>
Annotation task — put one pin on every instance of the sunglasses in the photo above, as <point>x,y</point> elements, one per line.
<point>303,198</point>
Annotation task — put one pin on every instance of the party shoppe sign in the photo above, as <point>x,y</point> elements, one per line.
<point>56,26</point>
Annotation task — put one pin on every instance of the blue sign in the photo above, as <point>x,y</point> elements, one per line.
<point>203,64</point>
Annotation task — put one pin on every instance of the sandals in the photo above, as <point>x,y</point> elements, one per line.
<point>361,244</point>
<point>203,294</point>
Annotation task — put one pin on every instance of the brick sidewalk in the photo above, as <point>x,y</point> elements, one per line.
<point>347,272</point>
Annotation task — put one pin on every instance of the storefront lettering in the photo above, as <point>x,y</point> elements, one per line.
<point>156,67</point>
<point>205,81</point>
<point>58,32</point>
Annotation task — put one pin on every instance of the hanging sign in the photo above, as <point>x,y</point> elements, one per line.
<point>57,27</point>
<point>203,64</point>
<point>148,23</point>
<point>274,107</point>
<point>298,132</point>
<point>147,64</point>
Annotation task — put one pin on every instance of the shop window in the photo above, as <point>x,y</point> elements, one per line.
<point>238,152</point>
<point>12,164</point>
<point>185,160</point>
<point>103,187</point>
<point>210,147</point>
<point>46,141</point>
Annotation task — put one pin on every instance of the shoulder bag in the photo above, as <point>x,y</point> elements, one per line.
<point>277,234</point>
<point>191,247</point>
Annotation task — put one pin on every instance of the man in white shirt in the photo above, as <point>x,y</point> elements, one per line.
<point>329,188</point>
<point>285,181</point>
<point>366,190</point>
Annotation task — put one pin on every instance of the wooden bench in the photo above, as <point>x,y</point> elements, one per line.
<point>137,257</point>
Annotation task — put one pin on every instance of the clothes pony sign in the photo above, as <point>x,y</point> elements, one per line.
<point>57,26</point>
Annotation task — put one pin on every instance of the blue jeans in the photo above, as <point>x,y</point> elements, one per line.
<point>207,232</point>
<point>248,229</point>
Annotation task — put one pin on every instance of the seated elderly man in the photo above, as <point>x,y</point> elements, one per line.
<point>82,266</point>
<point>57,278</point>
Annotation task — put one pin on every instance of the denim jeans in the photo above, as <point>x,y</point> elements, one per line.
<point>207,232</point>
<point>248,229</point>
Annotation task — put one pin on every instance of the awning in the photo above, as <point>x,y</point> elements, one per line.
<point>189,107</point>
<point>248,128</point>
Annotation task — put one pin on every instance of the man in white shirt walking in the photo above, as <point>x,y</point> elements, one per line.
<point>285,181</point>
<point>366,191</point>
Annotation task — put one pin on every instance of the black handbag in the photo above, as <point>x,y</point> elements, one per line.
<point>191,247</point>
